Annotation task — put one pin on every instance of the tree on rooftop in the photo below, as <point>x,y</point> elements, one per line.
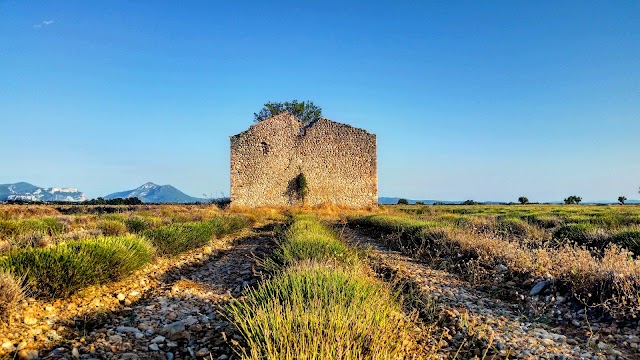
<point>305,111</point>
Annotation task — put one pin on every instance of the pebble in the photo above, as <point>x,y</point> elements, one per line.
<point>127,329</point>
<point>28,355</point>
<point>158,339</point>
<point>501,268</point>
<point>175,330</point>
<point>30,321</point>
<point>203,352</point>
<point>75,353</point>
<point>116,339</point>
<point>154,347</point>
<point>538,288</point>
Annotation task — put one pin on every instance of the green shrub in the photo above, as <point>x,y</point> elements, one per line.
<point>544,221</point>
<point>28,227</point>
<point>513,226</point>
<point>307,239</point>
<point>394,224</point>
<point>628,238</point>
<point>223,225</point>
<point>136,225</point>
<point>112,227</point>
<point>174,239</point>
<point>114,217</point>
<point>51,226</point>
<point>62,269</point>
<point>406,234</point>
<point>582,234</point>
<point>9,228</point>
<point>152,221</point>
<point>323,312</point>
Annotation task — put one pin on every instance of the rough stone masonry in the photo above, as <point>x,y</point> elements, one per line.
<point>338,161</point>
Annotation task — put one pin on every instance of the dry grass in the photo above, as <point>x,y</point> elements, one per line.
<point>13,212</point>
<point>10,294</point>
<point>609,278</point>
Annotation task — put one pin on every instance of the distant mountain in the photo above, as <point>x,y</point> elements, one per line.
<point>152,193</point>
<point>27,192</point>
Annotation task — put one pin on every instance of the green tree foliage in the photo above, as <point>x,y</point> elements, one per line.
<point>573,200</point>
<point>523,200</point>
<point>403,202</point>
<point>116,201</point>
<point>305,111</point>
<point>302,188</point>
<point>469,202</point>
<point>622,199</point>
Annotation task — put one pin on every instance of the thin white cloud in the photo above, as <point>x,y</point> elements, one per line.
<point>44,23</point>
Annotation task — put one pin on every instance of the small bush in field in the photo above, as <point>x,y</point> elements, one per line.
<point>61,270</point>
<point>224,225</point>
<point>26,228</point>
<point>332,312</point>
<point>136,225</point>
<point>307,239</point>
<point>175,239</point>
<point>544,221</point>
<point>513,226</point>
<point>628,238</point>
<point>10,294</point>
<point>153,221</point>
<point>114,217</point>
<point>112,227</point>
<point>581,234</point>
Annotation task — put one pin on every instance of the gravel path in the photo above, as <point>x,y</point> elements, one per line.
<point>473,322</point>
<point>170,310</point>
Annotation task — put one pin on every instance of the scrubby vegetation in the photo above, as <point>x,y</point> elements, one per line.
<point>177,238</point>
<point>60,270</point>
<point>10,294</point>
<point>321,305</point>
<point>592,251</point>
<point>54,255</point>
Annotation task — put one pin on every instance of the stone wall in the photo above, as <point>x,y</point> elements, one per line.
<point>338,161</point>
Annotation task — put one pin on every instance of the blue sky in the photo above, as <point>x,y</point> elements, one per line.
<point>470,100</point>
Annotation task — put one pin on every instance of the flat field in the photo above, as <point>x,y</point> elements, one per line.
<point>395,282</point>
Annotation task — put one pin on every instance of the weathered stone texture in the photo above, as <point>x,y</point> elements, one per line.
<point>338,161</point>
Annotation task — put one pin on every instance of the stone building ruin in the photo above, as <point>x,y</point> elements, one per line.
<point>338,161</point>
